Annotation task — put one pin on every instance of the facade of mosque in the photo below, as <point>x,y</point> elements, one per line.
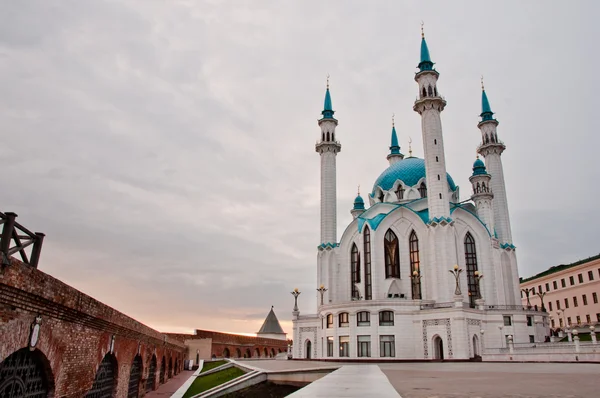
<point>419,274</point>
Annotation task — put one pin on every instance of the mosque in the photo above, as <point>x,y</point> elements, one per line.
<point>419,274</point>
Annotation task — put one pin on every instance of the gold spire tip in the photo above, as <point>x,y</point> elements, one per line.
<point>328,81</point>
<point>409,147</point>
<point>422,31</point>
<point>393,116</point>
<point>482,87</point>
<point>358,190</point>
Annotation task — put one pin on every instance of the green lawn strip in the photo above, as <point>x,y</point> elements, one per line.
<point>203,383</point>
<point>211,365</point>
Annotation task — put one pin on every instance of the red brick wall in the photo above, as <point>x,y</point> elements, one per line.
<point>76,331</point>
<point>220,341</point>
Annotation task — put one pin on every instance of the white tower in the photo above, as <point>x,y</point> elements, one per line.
<point>491,149</point>
<point>429,105</point>
<point>328,148</point>
<point>482,194</point>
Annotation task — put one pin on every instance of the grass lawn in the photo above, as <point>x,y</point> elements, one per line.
<point>203,383</point>
<point>211,365</point>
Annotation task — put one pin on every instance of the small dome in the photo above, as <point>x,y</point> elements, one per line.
<point>479,167</point>
<point>359,203</point>
<point>409,171</point>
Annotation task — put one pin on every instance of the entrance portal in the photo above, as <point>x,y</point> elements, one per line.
<point>438,347</point>
<point>308,349</point>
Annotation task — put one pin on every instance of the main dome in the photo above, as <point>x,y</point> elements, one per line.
<point>409,171</point>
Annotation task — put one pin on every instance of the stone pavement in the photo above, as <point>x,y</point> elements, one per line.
<point>493,380</point>
<point>172,385</point>
<point>350,382</point>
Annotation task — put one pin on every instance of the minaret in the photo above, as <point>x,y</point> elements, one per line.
<point>429,105</point>
<point>491,149</point>
<point>395,154</point>
<point>482,194</point>
<point>328,148</point>
<point>359,205</point>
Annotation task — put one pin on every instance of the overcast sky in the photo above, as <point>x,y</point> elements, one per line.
<point>166,148</point>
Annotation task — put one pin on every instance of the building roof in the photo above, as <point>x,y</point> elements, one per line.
<point>558,268</point>
<point>271,325</point>
<point>479,167</point>
<point>409,171</point>
<point>486,110</point>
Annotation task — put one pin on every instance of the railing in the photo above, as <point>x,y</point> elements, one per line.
<point>19,237</point>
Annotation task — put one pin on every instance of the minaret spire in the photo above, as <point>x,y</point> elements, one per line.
<point>328,148</point>
<point>395,154</point>
<point>491,148</point>
<point>425,63</point>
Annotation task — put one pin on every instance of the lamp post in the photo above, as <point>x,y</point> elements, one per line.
<point>527,291</point>
<point>456,272</point>
<point>541,296</point>
<point>296,293</point>
<point>321,290</point>
<point>416,285</point>
<point>478,276</point>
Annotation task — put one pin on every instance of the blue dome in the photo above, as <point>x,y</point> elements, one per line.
<point>409,171</point>
<point>479,167</point>
<point>359,203</point>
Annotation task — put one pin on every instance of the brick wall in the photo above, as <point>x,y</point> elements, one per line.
<point>234,342</point>
<point>76,332</point>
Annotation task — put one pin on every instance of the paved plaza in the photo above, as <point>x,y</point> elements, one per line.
<point>475,379</point>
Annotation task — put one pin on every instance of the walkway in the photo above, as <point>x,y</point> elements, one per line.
<point>350,381</point>
<point>172,385</point>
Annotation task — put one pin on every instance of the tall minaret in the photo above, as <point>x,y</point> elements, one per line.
<point>429,105</point>
<point>482,194</point>
<point>395,154</point>
<point>328,148</point>
<point>491,149</point>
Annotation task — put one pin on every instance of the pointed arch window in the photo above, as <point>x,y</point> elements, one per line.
<point>400,192</point>
<point>392,255</point>
<point>367,251</point>
<point>424,92</point>
<point>328,136</point>
<point>471,263</point>
<point>415,265</point>
<point>435,91</point>
<point>354,270</point>
<point>423,190</point>
<point>430,91</point>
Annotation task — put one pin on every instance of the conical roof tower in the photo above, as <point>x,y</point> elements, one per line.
<point>271,328</point>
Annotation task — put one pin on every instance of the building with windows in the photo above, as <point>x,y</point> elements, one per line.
<point>569,293</point>
<point>419,274</point>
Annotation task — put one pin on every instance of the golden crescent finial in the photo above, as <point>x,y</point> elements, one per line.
<point>482,87</point>
<point>409,147</point>
<point>393,123</point>
<point>328,81</point>
<point>422,31</point>
<point>358,190</point>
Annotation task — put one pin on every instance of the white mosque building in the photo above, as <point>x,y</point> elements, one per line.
<point>419,274</point>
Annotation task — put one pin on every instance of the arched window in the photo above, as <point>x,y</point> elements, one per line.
<point>386,318</point>
<point>329,321</point>
<point>478,188</point>
<point>392,255</point>
<point>367,251</point>
<point>332,136</point>
<point>437,159</point>
<point>323,137</point>
<point>483,187</point>
<point>105,382</point>
<point>328,136</point>
<point>415,265</point>
<point>23,372</point>
<point>493,138</point>
<point>471,262</point>
<point>354,270</point>
<point>424,92</point>
<point>343,320</point>
<point>434,141</point>
<point>487,139</point>
<point>435,91</point>
<point>135,374</point>
<point>151,380</point>
<point>423,190</point>
<point>400,192</point>
<point>381,196</point>
<point>430,91</point>
<point>226,353</point>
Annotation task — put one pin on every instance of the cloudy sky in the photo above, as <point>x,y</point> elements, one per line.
<point>166,148</point>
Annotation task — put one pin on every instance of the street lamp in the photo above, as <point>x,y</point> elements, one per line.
<point>296,293</point>
<point>321,290</point>
<point>456,272</point>
<point>478,277</point>
<point>416,285</point>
